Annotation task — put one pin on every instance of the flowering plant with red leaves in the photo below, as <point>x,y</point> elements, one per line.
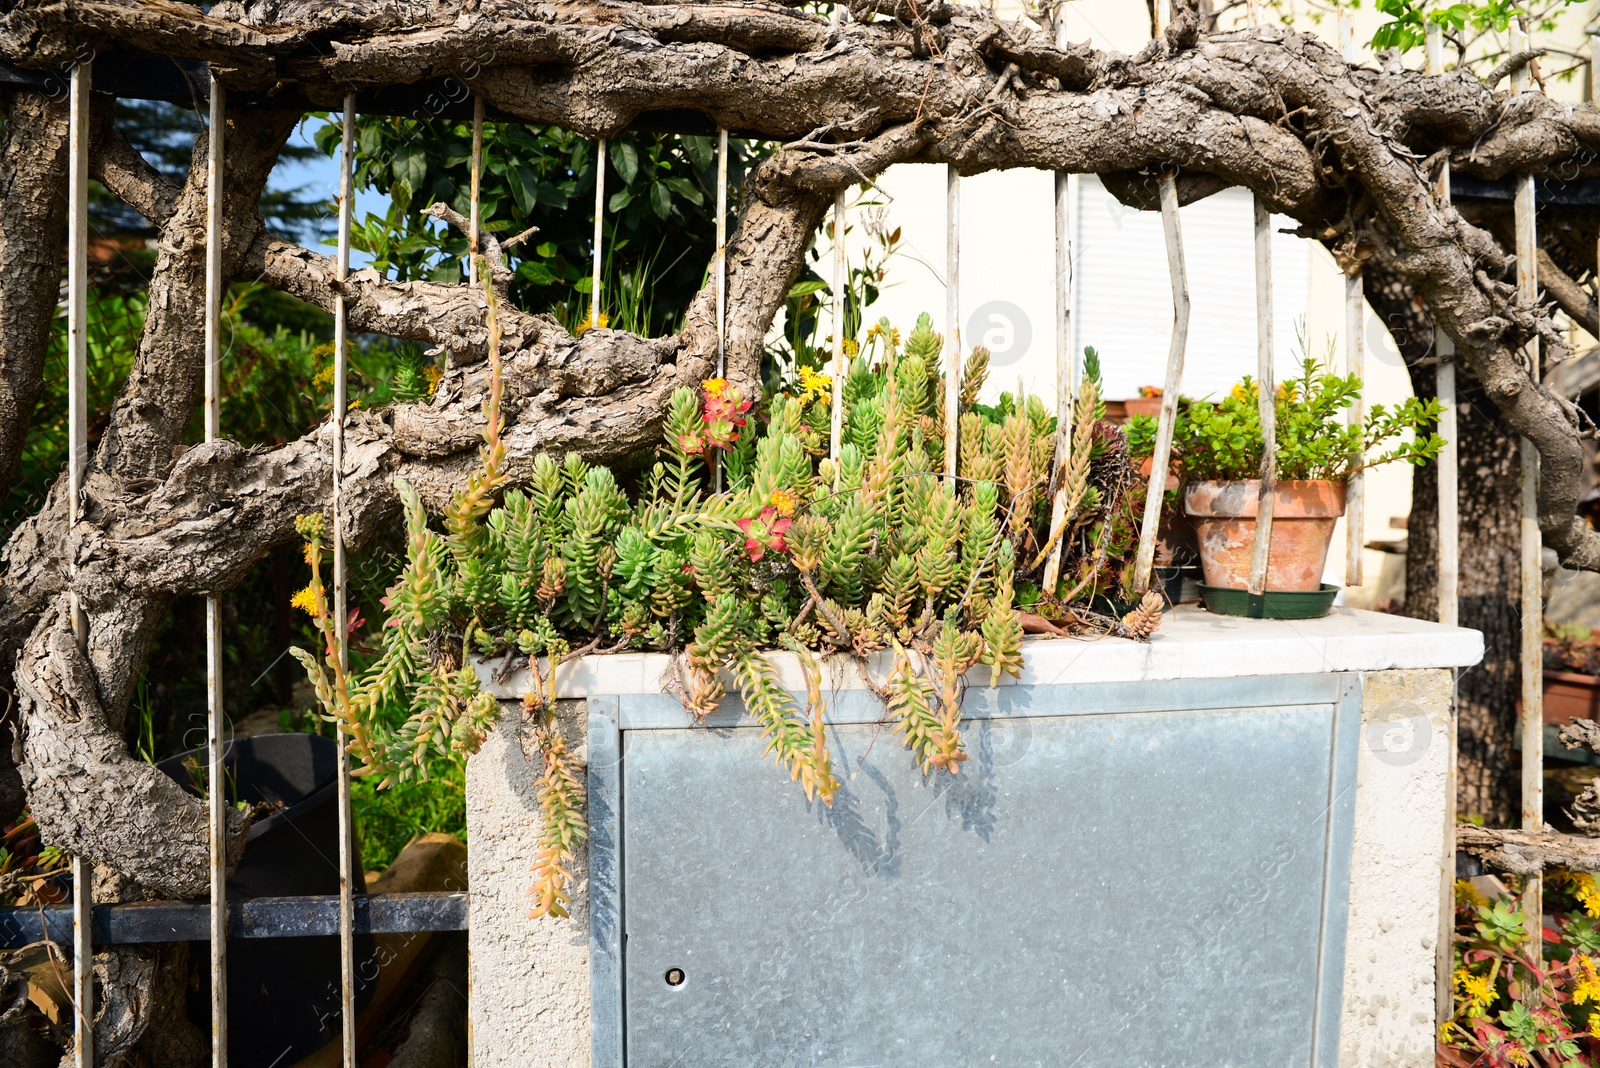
<point>724,413</point>
<point>764,532</point>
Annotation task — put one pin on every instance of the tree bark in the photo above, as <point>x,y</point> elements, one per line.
<point>1490,592</point>
<point>1529,852</point>
<point>33,204</point>
<point>1490,483</point>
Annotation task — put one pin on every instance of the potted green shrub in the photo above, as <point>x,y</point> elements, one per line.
<point>1217,450</point>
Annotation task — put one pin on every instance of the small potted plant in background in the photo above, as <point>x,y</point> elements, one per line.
<point>1217,450</point>
<point>1571,673</point>
<point>1148,402</point>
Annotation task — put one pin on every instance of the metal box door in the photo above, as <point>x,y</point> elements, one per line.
<point>1118,876</point>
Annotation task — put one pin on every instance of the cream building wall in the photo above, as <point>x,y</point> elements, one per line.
<point>1120,295</point>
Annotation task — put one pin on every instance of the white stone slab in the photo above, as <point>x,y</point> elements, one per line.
<point>1192,644</point>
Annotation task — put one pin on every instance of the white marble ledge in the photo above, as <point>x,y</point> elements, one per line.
<point>1191,644</point>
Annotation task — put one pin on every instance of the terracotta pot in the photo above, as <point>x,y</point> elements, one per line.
<point>1303,515</point>
<point>1142,406</point>
<point>1569,696</point>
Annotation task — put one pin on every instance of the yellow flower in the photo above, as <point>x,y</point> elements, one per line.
<point>597,318</point>
<point>1476,993</point>
<point>1288,391</point>
<point>814,384</point>
<point>715,387</point>
<point>1588,894</point>
<point>306,601</point>
<point>890,334</point>
<point>432,373</point>
<point>324,378</point>
<point>850,347</point>
<point>1467,894</point>
<point>1242,391</point>
<point>1588,987</point>
<point>784,501</point>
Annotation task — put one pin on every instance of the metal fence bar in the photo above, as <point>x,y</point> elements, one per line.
<point>952,311</point>
<point>1355,351</point>
<point>216,793</point>
<point>1066,358</point>
<point>1449,596</point>
<point>143,922</point>
<point>722,253</point>
<point>836,16</point>
<point>341,406</point>
<point>599,236</point>
<point>475,221</point>
<point>1157,487</point>
<point>1532,718</point>
<point>1266,394</point>
<point>836,425</point>
<point>77,467</point>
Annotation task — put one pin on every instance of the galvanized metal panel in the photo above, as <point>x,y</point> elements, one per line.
<point>1107,889</point>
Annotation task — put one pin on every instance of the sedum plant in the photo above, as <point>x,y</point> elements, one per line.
<point>875,551</point>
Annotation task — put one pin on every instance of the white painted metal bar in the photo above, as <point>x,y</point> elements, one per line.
<point>1445,390</point>
<point>78,309</point>
<point>1066,358</point>
<point>341,408</point>
<point>77,468</point>
<point>1355,350</point>
<point>1163,16</point>
<point>836,431</point>
<point>1266,397</point>
<point>599,236</point>
<point>216,792</point>
<point>1591,84</point>
<point>1449,590</point>
<point>952,312</point>
<point>722,276</point>
<point>1532,718</point>
<point>475,222</point>
<point>722,253</point>
<point>1157,487</point>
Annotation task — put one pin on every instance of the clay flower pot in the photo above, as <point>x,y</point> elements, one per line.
<point>1142,406</point>
<point>1303,515</point>
<point>1569,695</point>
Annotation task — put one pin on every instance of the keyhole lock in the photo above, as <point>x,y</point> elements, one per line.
<point>675,976</point>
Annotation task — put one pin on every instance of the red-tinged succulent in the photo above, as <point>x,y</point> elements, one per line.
<point>724,413</point>
<point>764,532</point>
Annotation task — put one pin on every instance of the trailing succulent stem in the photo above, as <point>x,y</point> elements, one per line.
<point>561,802</point>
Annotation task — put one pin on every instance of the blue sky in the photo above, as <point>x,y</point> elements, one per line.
<point>318,179</point>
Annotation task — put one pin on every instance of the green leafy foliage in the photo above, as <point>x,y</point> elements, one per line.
<point>1222,441</point>
<point>659,225</point>
<point>1408,19</point>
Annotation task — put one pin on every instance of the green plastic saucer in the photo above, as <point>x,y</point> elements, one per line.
<point>1274,604</point>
